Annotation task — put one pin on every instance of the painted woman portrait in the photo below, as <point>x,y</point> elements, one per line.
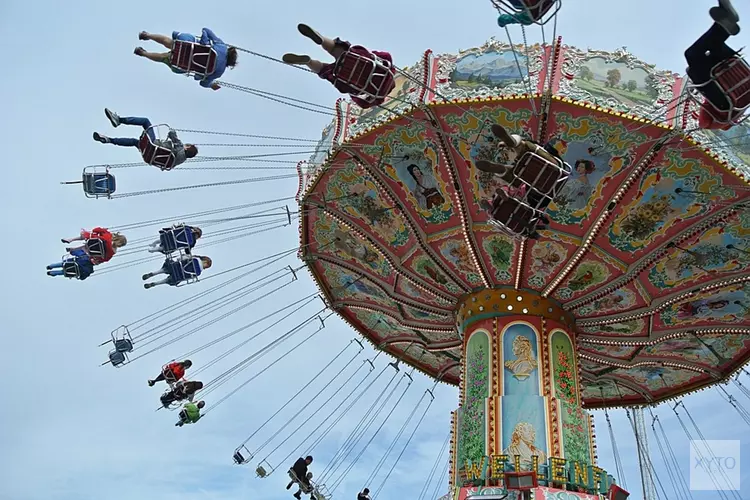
<point>522,444</point>
<point>576,193</point>
<point>426,189</point>
<point>524,364</point>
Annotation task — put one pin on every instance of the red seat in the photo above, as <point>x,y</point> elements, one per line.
<point>513,215</point>
<point>152,154</point>
<point>541,174</point>
<point>193,57</point>
<point>370,77</point>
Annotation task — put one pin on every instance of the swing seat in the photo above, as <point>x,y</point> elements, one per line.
<point>176,238</point>
<point>732,76</point>
<point>157,156</point>
<point>192,57</point>
<point>95,247</point>
<point>513,216</point>
<point>96,184</point>
<point>537,9</point>
<point>117,358</point>
<point>242,455</point>
<point>169,377</point>
<point>542,175</point>
<point>305,487</point>
<point>183,272</point>
<point>370,78</point>
<point>261,471</point>
<point>124,345</point>
<point>71,269</point>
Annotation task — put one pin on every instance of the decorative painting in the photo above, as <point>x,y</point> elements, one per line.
<point>585,277</point>
<point>730,144</point>
<point>501,250</point>
<point>598,149</point>
<point>348,285</point>
<point>472,425</point>
<point>728,305</point>
<point>576,433</point>
<point>418,315</point>
<point>591,366</point>
<point>659,204</point>
<point>565,372</point>
<point>425,267</point>
<point>520,361</point>
<point>493,69</point>
<point>456,254</point>
<point>718,250</point>
<point>406,288</point>
<point>324,146</point>
<point>607,390</point>
<point>354,193</point>
<point>615,302</point>
<point>335,238</point>
<point>547,257</point>
<point>382,325</point>
<point>617,80</point>
<point>688,348</point>
<point>658,378</point>
<point>630,328</point>
<point>618,351</point>
<point>524,427</point>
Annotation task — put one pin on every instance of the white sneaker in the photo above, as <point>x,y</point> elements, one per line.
<point>114,119</point>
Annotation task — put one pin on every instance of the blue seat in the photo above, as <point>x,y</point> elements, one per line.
<point>180,237</point>
<point>96,184</point>
<point>181,271</point>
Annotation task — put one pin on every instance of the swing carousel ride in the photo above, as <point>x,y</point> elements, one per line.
<point>636,293</point>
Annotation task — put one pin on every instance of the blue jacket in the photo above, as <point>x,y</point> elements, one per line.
<point>209,38</point>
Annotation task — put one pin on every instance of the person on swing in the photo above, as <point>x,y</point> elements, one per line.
<point>181,151</point>
<point>226,55</point>
<point>338,49</point>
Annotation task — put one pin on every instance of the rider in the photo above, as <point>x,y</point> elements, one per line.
<point>225,55</point>
<point>172,373</point>
<point>190,413</point>
<point>365,495</point>
<point>181,151</point>
<point>156,247</point>
<point>300,471</point>
<point>184,389</point>
<point>708,51</point>
<point>80,257</point>
<point>338,48</point>
<point>202,263</point>
<point>112,241</point>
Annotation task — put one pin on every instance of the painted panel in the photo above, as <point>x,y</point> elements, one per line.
<point>688,348</point>
<point>727,305</point>
<point>565,371</point>
<point>524,427</point>
<point>623,299</point>
<point>521,361</point>
<point>498,251</point>
<point>576,432</point>
<point>657,379</point>
<point>451,245</point>
<point>545,258</point>
<point>629,328</point>
<point>623,352</point>
<point>472,423</point>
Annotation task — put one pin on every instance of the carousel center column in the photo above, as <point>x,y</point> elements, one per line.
<point>519,394</point>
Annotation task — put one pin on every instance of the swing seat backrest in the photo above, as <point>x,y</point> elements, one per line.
<point>733,77</point>
<point>184,271</point>
<point>538,8</point>
<point>193,57</point>
<point>158,156</point>
<point>371,77</point>
<point>95,247</point>
<point>71,269</point>
<point>539,173</point>
<point>117,358</point>
<point>123,345</point>
<point>513,215</point>
<point>176,238</point>
<point>98,183</point>
<point>305,487</point>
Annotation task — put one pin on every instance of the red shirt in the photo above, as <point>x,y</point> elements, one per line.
<point>178,371</point>
<point>104,235</point>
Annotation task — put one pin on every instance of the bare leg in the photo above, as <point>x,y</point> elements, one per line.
<point>315,65</point>
<point>330,46</point>
<point>153,56</point>
<point>160,39</point>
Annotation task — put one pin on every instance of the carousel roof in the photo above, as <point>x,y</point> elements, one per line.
<point>649,245</point>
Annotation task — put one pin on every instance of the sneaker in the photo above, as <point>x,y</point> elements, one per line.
<point>113,117</point>
<point>310,33</point>
<point>146,276</point>
<point>65,241</point>
<point>143,35</point>
<point>724,18</point>
<point>502,134</point>
<point>151,383</point>
<point>295,59</point>
<point>49,273</point>
<point>49,268</point>
<point>139,51</point>
<point>101,138</point>
<point>298,495</point>
<point>727,6</point>
<point>147,285</point>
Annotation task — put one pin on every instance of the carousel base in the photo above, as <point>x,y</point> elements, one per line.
<point>540,493</point>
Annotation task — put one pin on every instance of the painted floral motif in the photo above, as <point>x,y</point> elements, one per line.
<point>357,195</point>
<point>565,378</point>
<point>575,430</point>
<point>476,389</point>
<point>547,256</point>
<point>731,305</point>
<point>619,300</point>
<point>587,274</point>
<point>457,253</point>
<point>500,249</point>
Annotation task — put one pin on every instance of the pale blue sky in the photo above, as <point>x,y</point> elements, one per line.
<point>72,430</point>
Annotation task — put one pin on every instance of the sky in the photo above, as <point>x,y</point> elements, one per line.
<point>70,429</point>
